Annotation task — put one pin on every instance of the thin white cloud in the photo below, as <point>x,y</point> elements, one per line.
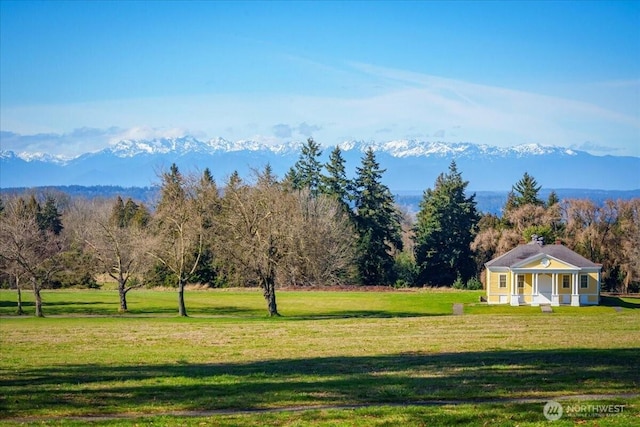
<point>406,104</point>
<point>463,96</point>
<point>147,132</point>
<point>78,141</point>
<point>81,140</point>
<point>595,148</point>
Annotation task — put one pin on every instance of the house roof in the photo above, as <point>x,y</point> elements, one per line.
<point>523,252</point>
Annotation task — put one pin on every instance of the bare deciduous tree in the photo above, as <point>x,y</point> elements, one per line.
<point>117,242</point>
<point>256,231</point>
<point>275,235</point>
<point>608,234</point>
<point>588,228</point>
<point>627,252</point>
<point>30,250</point>
<point>323,237</point>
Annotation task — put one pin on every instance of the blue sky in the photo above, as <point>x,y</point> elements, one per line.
<point>77,76</point>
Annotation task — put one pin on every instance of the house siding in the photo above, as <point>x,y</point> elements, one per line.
<point>592,284</point>
<point>494,289</point>
<point>561,289</point>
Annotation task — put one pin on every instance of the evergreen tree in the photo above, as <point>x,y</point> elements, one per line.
<point>510,204</point>
<point>525,192</point>
<point>444,231</point>
<point>209,204</point>
<point>49,219</point>
<point>208,198</point>
<point>234,180</point>
<point>336,184</point>
<point>207,178</point>
<point>128,214</point>
<point>117,213</point>
<point>172,189</point>
<point>267,178</point>
<point>130,211</point>
<point>141,216</point>
<point>377,224</point>
<point>553,199</point>
<point>306,172</point>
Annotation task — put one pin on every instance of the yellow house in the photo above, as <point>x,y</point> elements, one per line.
<point>535,274</point>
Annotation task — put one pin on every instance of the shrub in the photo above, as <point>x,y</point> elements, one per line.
<point>405,270</point>
<point>459,284</point>
<point>401,284</point>
<point>474,284</point>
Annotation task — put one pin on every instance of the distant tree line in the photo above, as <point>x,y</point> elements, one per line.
<point>315,226</point>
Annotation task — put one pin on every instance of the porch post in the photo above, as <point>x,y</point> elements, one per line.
<point>555,299</point>
<point>575,296</point>
<point>514,290</point>
<point>534,290</point>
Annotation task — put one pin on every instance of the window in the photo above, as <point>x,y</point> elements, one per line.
<point>520,280</point>
<point>584,281</point>
<point>503,280</point>
<point>566,282</point>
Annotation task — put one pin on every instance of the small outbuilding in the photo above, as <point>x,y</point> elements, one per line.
<point>536,274</point>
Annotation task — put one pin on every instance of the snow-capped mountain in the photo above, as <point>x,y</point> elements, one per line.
<point>189,145</point>
<point>415,148</point>
<point>411,165</point>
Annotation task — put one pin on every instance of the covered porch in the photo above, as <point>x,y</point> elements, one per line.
<point>555,288</point>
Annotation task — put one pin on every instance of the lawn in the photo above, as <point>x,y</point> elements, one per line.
<point>337,358</point>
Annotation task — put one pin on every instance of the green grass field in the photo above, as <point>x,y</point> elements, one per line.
<point>334,358</point>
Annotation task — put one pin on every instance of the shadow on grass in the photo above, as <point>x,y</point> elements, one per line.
<point>361,314</point>
<point>610,301</point>
<point>110,308</point>
<point>14,304</point>
<point>398,378</point>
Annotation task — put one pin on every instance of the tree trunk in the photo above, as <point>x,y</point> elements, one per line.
<point>269,292</point>
<point>123,296</point>
<point>182,309</point>
<point>19,311</point>
<point>36,293</point>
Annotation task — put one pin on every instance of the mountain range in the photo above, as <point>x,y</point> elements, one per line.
<point>411,165</point>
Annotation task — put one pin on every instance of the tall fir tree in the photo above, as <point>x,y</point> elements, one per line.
<point>336,184</point>
<point>524,192</point>
<point>117,213</point>
<point>172,190</point>
<point>444,230</point>
<point>307,171</point>
<point>49,218</point>
<point>377,223</point>
<point>553,199</point>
